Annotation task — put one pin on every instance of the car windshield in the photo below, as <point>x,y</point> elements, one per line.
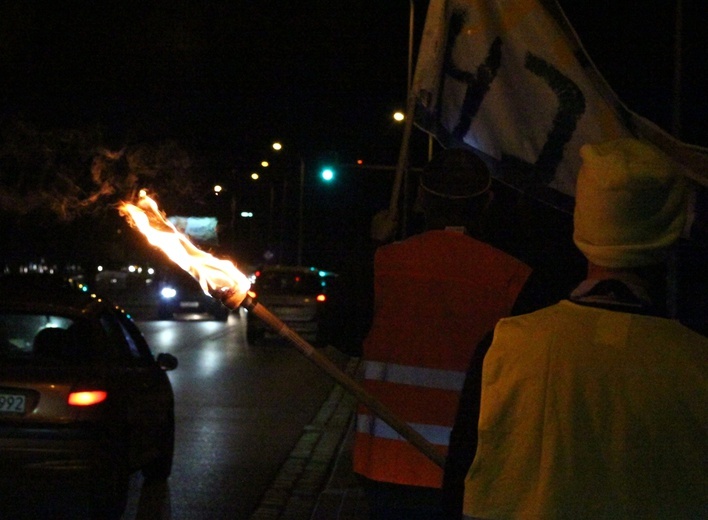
<point>289,283</point>
<point>45,339</point>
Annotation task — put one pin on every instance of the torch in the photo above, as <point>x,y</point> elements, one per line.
<point>223,281</point>
<point>232,300</point>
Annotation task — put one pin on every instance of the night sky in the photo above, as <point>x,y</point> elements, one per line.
<point>227,78</point>
<point>232,75</point>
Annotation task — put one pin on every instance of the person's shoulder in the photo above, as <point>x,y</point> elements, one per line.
<point>511,266</point>
<point>412,241</point>
<point>493,249</point>
<point>682,333</point>
<point>539,314</point>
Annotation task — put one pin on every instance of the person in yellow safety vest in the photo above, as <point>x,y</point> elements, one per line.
<point>436,295</point>
<point>597,407</point>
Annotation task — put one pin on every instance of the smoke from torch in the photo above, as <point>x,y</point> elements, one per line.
<point>222,280</point>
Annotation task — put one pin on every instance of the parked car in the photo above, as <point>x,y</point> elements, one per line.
<point>181,295</point>
<point>81,393</point>
<point>304,298</point>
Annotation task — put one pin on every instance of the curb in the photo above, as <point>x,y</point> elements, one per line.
<point>294,493</point>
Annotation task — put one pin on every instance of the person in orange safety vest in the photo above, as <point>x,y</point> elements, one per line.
<point>437,294</point>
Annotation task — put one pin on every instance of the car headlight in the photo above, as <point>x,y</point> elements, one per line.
<point>168,292</point>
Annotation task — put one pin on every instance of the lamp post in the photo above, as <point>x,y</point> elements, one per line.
<point>255,177</point>
<point>277,146</point>
<point>300,215</point>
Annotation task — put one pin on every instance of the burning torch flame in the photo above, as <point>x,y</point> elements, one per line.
<point>213,274</point>
<point>221,279</point>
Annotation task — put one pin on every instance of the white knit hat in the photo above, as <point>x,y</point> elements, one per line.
<point>630,204</point>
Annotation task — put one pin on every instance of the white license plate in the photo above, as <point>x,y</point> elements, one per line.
<point>189,305</point>
<point>12,403</point>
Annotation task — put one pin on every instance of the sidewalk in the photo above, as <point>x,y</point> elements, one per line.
<point>316,482</point>
<point>342,498</point>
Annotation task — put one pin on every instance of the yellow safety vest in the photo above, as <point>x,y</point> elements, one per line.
<point>436,295</point>
<point>590,413</point>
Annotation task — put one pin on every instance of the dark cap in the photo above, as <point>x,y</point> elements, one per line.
<point>456,173</point>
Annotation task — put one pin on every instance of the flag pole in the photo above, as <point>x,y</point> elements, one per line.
<point>678,65</point>
<point>402,164</point>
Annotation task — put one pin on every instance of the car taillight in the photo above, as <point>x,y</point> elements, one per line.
<point>87,397</point>
<point>321,298</point>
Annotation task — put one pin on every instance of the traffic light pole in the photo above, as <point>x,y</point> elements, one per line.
<point>300,212</point>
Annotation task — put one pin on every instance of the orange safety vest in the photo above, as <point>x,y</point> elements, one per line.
<point>436,296</point>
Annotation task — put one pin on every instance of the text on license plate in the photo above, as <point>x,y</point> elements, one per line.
<point>189,305</point>
<point>12,403</point>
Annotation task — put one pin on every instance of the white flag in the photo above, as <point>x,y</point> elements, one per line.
<point>511,79</point>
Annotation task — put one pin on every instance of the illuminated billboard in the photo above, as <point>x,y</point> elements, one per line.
<point>198,229</point>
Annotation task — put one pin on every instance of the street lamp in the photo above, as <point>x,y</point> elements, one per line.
<point>277,146</point>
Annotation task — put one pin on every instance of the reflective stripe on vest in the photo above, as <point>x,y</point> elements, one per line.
<point>412,375</point>
<point>376,427</point>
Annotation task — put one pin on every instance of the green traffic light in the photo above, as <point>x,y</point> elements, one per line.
<point>327,174</point>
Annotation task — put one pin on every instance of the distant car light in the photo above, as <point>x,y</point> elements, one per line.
<point>168,292</point>
<point>321,298</point>
<point>87,397</point>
